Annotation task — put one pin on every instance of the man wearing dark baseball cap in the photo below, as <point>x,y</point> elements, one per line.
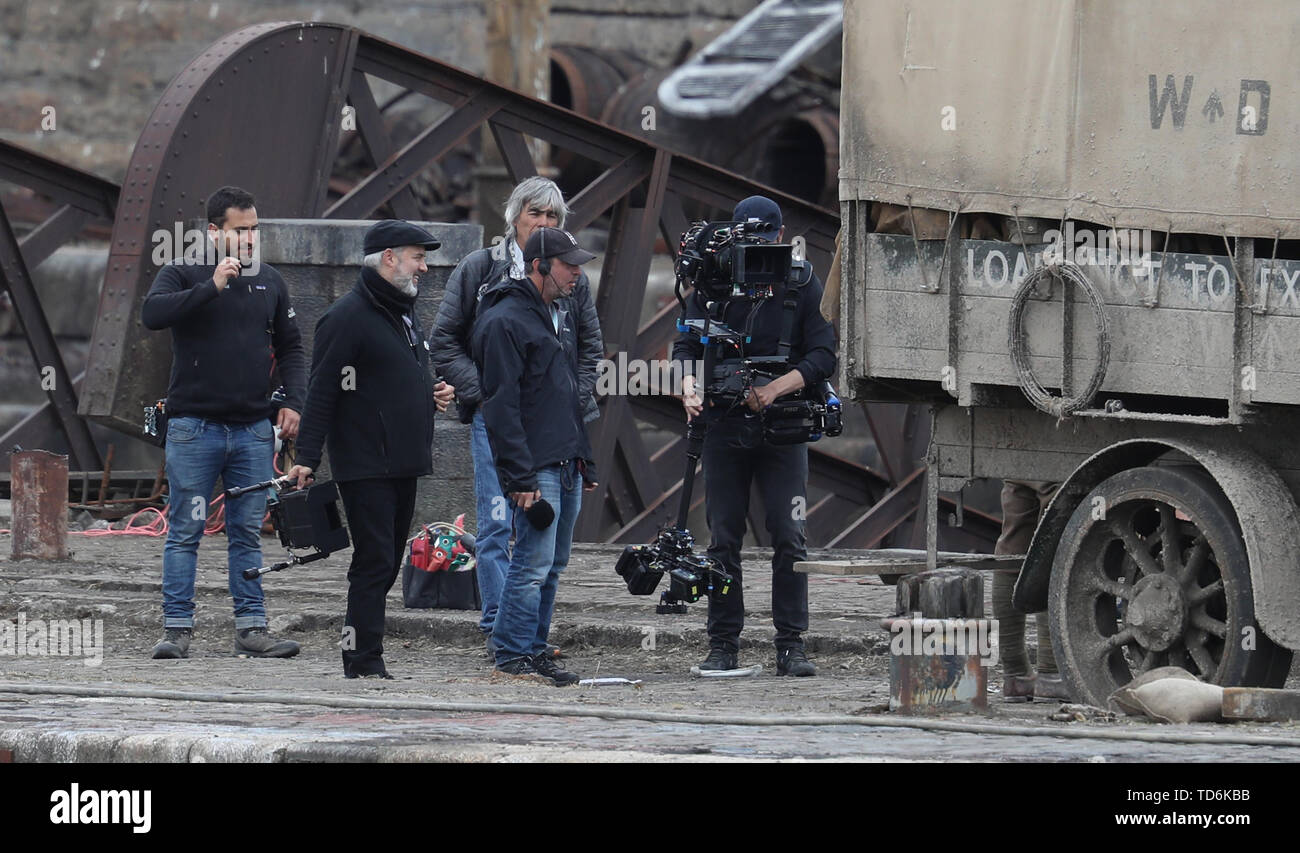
<point>737,459</point>
<point>526,349</point>
<point>372,394</point>
<point>762,214</point>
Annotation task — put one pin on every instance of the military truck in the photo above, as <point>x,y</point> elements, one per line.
<point>1074,229</point>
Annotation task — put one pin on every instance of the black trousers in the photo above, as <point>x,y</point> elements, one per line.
<point>379,518</point>
<point>734,457</point>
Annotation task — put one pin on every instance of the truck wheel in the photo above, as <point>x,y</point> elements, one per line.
<point>1152,571</point>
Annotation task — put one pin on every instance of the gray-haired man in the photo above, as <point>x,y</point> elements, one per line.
<point>372,394</point>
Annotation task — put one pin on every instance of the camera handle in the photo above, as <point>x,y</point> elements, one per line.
<point>294,560</point>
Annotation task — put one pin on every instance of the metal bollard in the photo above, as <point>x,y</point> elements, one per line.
<point>39,489</point>
<point>940,646</point>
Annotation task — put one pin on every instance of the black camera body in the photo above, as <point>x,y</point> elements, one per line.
<point>690,577</point>
<point>728,260</point>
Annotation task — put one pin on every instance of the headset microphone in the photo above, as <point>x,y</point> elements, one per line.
<point>543,265</point>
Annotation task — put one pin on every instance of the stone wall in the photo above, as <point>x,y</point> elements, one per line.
<point>102,66</point>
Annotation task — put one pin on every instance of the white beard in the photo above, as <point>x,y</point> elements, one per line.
<point>406,284</point>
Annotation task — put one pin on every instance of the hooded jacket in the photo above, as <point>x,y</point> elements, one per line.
<point>371,389</point>
<point>531,399</point>
<point>450,341</point>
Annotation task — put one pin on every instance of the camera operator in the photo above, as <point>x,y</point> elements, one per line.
<point>230,323</point>
<point>374,396</point>
<point>535,203</point>
<point>735,454</point>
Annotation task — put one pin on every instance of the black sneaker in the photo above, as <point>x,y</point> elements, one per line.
<point>257,643</point>
<point>546,665</point>
<point>174,644</point>
<point>718,661</point>
<point>793,661</point>
<point>383,674</point>
<point>519,669</point>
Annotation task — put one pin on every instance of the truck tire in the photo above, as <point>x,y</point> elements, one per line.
<point>1151,571</point>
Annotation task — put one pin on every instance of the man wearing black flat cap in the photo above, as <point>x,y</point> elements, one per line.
<point>371,398</point>
<point>525,346</point>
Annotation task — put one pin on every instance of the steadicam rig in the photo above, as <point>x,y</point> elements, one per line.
<point>690,577</point>
<point>306,518</point>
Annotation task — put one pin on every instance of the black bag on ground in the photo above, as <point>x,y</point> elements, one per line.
<point>428,582</point>
<point>446,590</point>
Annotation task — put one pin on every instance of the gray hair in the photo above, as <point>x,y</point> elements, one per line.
<point>375,259</point>
<point>538,191</point>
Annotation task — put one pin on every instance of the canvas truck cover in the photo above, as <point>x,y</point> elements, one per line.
<point>1164,114</point>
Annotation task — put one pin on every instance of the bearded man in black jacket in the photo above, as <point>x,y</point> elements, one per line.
<point>373,395</point>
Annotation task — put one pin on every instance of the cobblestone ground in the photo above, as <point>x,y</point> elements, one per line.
<point>444,705</point>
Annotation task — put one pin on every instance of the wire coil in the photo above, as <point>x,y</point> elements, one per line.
<point>1042,399</point>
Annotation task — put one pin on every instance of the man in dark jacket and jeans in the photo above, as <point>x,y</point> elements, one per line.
<point>230,322</point>
<point>736,456</point>
<point>534,203</point>
<point>525,347</point>
<point>373,395</point>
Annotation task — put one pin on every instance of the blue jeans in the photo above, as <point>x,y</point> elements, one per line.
<point>492,536</point>
<point>198,452</point>
<point>528,597</point>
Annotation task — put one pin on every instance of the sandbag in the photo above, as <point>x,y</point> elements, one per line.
<point>1122,699</point>
<point>1177,700</point>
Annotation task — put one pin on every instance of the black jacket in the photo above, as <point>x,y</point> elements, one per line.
<point>812,339</point>
<point>223,342</point>
<point>450,340</point>
<point>371,389</point>
<point>531,403</point>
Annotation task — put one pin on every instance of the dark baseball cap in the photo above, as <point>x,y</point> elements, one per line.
<point>393,234</point>
<point>555,243</point>
<point>762,209</point>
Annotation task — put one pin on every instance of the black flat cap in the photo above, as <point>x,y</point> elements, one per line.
<point>393,234</point>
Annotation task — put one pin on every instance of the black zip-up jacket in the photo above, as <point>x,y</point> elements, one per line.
<point>450,340</point>
<point>531,403</point>
<point>371,389</point>
<point>223,341</point>
<point>812,339</point>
